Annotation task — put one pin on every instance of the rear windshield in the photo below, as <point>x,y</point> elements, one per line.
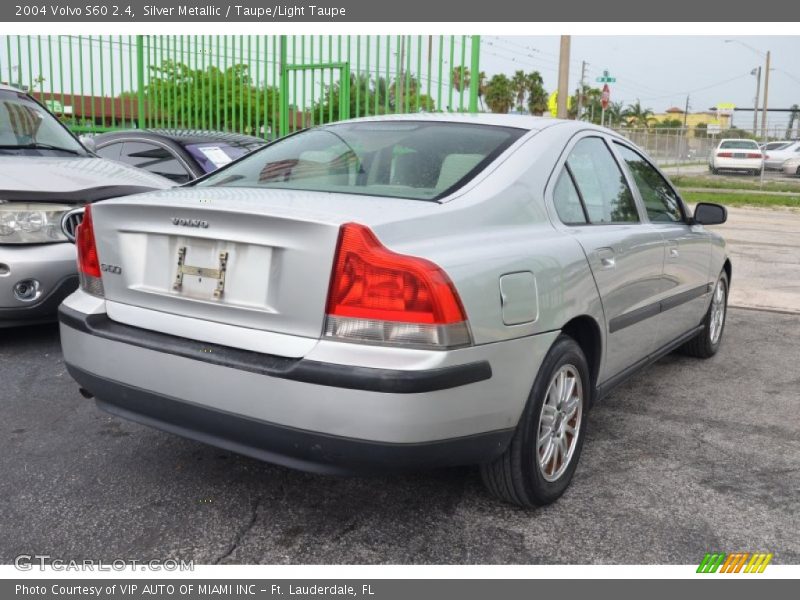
<point>738,145</point>
<point>401,159</point>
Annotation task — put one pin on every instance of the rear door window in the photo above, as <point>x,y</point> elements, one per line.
<point>601,184</point>
<point>660,200</point>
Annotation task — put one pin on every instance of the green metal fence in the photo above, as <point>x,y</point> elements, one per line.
<point>260,85</point>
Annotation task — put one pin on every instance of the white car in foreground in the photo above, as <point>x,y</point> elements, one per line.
<point>736,155</point>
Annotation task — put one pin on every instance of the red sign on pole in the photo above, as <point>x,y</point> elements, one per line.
<point>604,99</point>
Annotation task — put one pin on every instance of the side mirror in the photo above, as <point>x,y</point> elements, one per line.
<point>706,213</point>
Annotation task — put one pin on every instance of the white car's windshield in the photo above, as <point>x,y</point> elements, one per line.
<point>404,159</point>
<point>27,128</point>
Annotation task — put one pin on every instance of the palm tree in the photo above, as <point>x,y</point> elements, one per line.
<point>481,88</point>
<point>460,78</point>
<point>636,116</point>
<point>500,94</point>
<point>614,113</point>
<point>537,96</point>
<point>519,84</point>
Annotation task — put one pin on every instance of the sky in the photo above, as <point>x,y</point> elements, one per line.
<point>662,70</point>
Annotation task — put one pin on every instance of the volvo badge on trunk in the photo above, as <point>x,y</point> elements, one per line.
<point>190,222</point>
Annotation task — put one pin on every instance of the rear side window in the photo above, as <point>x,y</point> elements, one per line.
<point>111,152</point>
<point>404,159</point>
<point>567,201</point>
<point>155,159</point>
<point>601,183</point>
<point>660,200</point>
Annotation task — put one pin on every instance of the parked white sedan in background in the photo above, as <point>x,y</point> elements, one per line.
<point>736,155</point>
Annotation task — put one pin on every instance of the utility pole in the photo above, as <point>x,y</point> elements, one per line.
<point>757,73</point>
<point>766,96</point>
<point>580,89</point>
<point>686,112</point>
<point>563,78</point>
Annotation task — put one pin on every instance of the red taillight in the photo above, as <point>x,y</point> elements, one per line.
<point>724,154</point>
<point>377,295</point>
<point>88,262</point>
<point>753,155</point>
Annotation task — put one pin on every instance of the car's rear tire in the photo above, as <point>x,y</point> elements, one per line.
<point>713,171</point>
<point>539,463</point>
<point>706,343</point>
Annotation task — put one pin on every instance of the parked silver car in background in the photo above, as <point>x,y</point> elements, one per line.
<point>44,173</point>
<point>792,167</point>
<point>409,291</point>
<point>775,159</point>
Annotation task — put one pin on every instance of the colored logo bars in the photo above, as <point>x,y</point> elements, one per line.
<point>736,562</point>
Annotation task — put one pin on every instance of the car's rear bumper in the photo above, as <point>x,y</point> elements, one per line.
<point>286,446</point>
<point>738,164</point>
<point>453,408</point>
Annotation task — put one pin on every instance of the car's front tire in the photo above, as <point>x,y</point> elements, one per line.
<point>539,463</point>
<point>706,343</point>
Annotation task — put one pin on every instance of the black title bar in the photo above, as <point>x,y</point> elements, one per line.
<point>463,11</point>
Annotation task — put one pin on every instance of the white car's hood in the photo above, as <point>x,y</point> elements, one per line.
<point>71,174</point>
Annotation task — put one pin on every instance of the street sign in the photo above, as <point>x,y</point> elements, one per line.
<point>606,97</point>
<point>606,78</point>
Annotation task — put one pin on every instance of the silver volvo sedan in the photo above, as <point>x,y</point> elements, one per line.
<point>397,292</point>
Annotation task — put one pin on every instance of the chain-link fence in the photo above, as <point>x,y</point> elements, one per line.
<point>677,146</point>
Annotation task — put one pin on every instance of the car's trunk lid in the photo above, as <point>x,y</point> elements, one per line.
<point>253,259</point>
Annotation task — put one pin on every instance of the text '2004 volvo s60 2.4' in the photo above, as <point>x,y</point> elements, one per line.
<point>411,292</point>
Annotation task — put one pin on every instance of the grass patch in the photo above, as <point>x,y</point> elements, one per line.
<point>742,199</point>
<point>731,184</point>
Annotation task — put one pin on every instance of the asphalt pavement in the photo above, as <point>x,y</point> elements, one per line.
<point>689,456</point>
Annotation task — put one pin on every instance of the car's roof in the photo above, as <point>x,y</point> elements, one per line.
<point>188,136</point>
<point>498,120</point>
<point>10,88</point>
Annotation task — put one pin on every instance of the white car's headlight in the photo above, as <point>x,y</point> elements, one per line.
<point>31,223</point>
